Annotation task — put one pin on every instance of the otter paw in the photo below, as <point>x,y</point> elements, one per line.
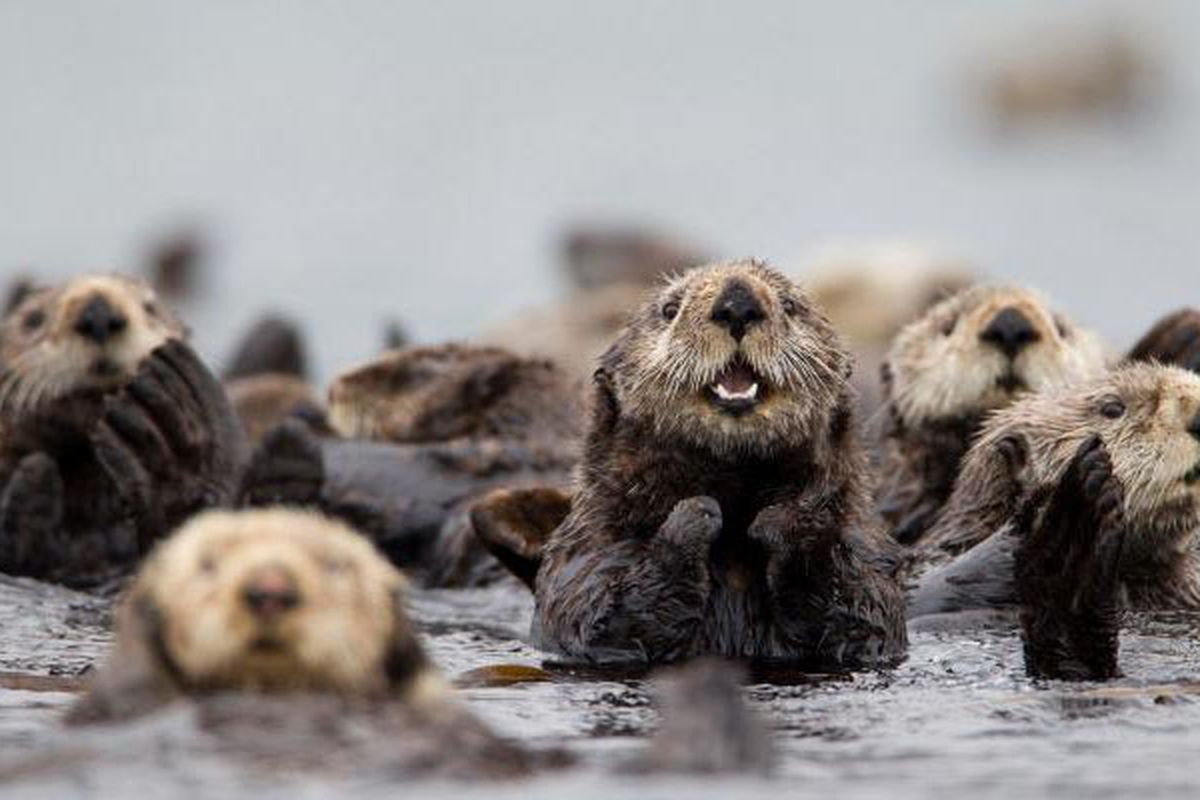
<point>31,516</point>
<point>696,520</point>
<point>1067,571</point>
<point>288,468</point>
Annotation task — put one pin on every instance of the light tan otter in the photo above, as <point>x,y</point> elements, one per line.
<point>1100,478</point>
<point>272,622</point>
<point>973,353</point>
<point>111,429</point>
<point>271,601</point>
<point>88,334</point>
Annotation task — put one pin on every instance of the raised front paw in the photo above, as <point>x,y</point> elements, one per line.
<point>288,468</point>
<point>170,442</point>
<point>1067,571</point>
<point>31,517</point>
<point>694,523</point>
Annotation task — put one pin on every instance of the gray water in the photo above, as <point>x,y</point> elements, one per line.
<point>356,162</point>
<point>957,717</point>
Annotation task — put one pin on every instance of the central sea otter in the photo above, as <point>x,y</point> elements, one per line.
<point>722,505</point>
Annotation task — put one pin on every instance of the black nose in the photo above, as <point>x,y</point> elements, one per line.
<point>270,591</point>
<point>1194,428</point>
<point>1010,331</point>
<point>99,321</point>
<point>737,309</point>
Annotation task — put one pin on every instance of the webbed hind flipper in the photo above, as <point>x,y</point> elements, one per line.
<point>1067,563</point>
<point>514,525</point>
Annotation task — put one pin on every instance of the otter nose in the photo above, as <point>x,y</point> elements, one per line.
<point>99,321</point>
<point>270,591</point>
<point>737,309</point>
<point>1194,428</point>
<point>1010,331</point>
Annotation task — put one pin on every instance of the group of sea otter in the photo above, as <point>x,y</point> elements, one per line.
<point>711,494</point>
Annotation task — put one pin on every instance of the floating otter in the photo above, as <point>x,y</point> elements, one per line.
<point>722,505</point>
<point>112,430</point>
<point>265,401</point>
<point>970,355</point>
<point>238,608</point>
<point>431,429</point>
<point>1076,500</point>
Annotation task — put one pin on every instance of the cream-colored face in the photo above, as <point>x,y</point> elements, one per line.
<point>1148,417</point>
<point>88,333</point>
<point>983,348</point>
<point>274,600</point>
<point>733,357</point>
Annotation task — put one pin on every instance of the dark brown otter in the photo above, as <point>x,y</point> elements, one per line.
<point>722,504</point>
<point>433,429</point>
<point>112,430</point>
<point>272,346</point>
<point>973,353</point>
<point>1174,339</point>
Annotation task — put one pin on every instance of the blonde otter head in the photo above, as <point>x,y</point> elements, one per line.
<point>89,333</point>
<point>1148,417</point>
<point>733,358</point>
<point>274,600</point>
<point>981,349</point>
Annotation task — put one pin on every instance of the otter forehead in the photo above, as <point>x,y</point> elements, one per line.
<point>731,356</point>
<point>982,348</point>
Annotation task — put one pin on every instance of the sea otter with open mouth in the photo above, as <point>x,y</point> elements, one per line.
<point>722,504</point>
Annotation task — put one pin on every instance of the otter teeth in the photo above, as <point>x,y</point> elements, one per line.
<point>745,394</point>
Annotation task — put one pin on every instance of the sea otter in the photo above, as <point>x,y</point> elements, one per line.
<point>973,353</point>
<point>422,434</point>
<point>1073,503</point>
<point>278,623</point>
<point>722,505</point>
<point>111,430</point>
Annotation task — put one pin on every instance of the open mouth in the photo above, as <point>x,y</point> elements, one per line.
<point>737,390</point>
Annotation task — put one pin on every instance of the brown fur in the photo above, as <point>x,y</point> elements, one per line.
<point>430,394</point>
<point>1174,339</point>
<point>698,530</point>
<point>264,401</point>
<point>940,381</point>
<point>1141,414</point>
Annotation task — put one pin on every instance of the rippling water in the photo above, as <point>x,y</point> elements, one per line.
<point>957,717</point>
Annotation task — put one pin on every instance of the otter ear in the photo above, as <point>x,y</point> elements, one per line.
<point>404,659</point>
<point>138,677</point>
<point>515,524</point>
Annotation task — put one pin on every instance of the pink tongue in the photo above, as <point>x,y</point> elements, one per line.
<point>737,379</point>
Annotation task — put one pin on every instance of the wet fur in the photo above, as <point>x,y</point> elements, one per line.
<point>691,532</point>
<point>940,382</point>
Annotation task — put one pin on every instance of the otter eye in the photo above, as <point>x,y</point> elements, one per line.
<point>34,319</point>
<point>948,326</point>
<point>790,307</point>
<point>670,309</point>
<point>1112,407</point>
<point>150,308</point>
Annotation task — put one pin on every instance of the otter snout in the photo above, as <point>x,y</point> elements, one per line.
<point>270,591</point>
<point>737,309</point>
<point>1010,331</point>
<point>99,320</point>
